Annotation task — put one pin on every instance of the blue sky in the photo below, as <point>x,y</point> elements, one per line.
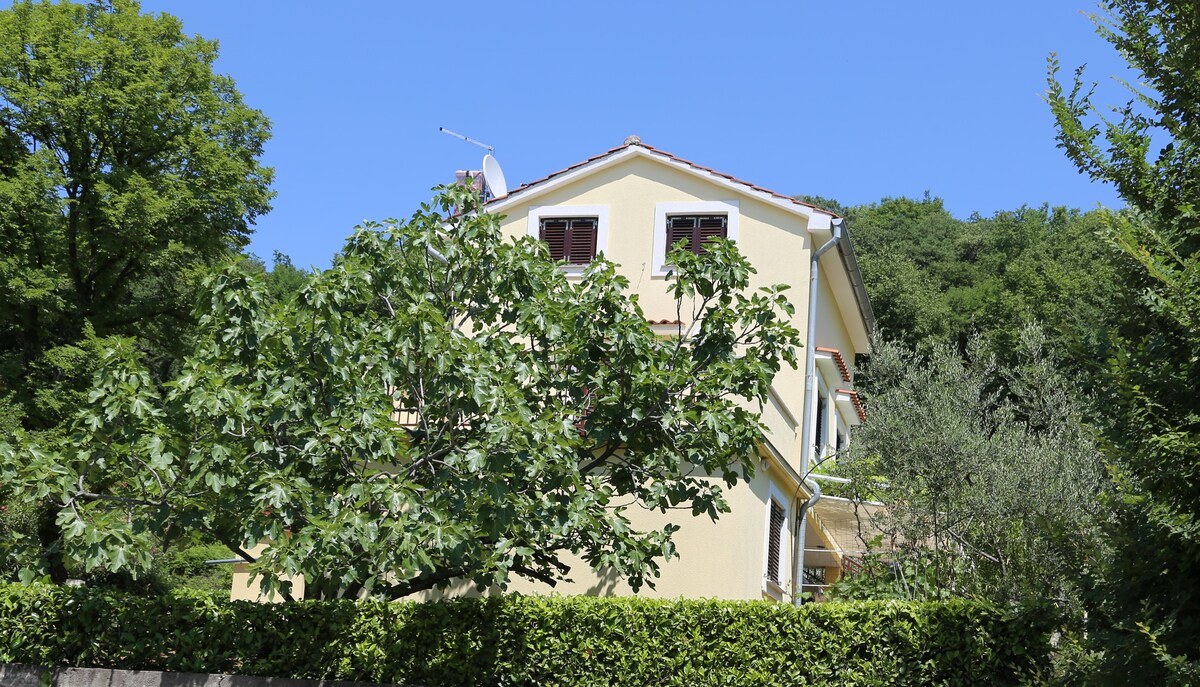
<point>852,101</point>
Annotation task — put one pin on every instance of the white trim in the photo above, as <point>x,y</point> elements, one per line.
<point>841,428</point>
<point>820,221</point>
<point>770,587</point>
<point>600,212</point>
<point>548,185</point>
<point>845,406</point>
<point>773,394</point>
<point>787,468</point>
<point>863,502</point>
<point>541,188</point>
<point>828,366</point>
<point>822,393</point>
<point>729,208</point>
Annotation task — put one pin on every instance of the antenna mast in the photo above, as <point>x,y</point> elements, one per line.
<point>468,139</point>
<point>494,185</point>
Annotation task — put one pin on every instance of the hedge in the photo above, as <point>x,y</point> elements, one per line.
<point>515,640</point>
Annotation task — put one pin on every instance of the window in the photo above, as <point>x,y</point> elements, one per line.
<point>576,234</point>
<point>775,542</point>
<point>571,239</point>
<point>696,230</point>
<point>815,583</point>
<point>815,577</point>
<point>819,433</point>
<point>777,557</point>
<point>694,222</point>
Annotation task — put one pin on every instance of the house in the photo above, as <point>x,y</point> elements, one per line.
<point>629,204</point>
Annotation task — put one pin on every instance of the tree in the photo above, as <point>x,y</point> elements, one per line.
<point>125,165</point>
<point>1147,609</point>
<point>440,404</point>
<point>126,168</point>
<point>936,279</point>
<point>283,281</point>
<point>909,302</point>
<point>987,495</point>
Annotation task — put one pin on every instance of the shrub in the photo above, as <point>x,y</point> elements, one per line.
<point>515,640</point>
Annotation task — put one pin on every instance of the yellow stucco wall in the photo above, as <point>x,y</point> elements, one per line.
<point>777,243</point>
<point>722,559</point>
<point>246,587</point>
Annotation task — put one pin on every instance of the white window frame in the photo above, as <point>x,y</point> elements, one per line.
<point>822,392</point>
<point>770,587</point>
<point>600,212</point>
<point>729,208</point>
<point>840,426</point>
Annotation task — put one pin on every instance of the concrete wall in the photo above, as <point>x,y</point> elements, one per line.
<point>28,676</point>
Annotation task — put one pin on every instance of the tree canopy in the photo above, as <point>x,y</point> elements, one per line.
<point>126,165</point>
<point>440,404</point>
<point>1147,607</point>
<point>934,279</point>
<point>984,494</point>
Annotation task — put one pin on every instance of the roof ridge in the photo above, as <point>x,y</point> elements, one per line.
<point>675,158</point>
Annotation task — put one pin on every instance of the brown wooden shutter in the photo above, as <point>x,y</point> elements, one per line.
<point>681,228</point>
<point>709,227</point>
<point>570,239</point>
<point>775,542</point>
<point>822,419</point>
<point>696,230</point>
<point>581,241</point>
<point>554,233</point>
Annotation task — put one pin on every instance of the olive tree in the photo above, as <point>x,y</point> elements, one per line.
<point>987,475</point>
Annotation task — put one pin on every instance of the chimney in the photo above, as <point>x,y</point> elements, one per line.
<point>476,179</point>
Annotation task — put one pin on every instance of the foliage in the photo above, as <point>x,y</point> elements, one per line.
<point>909,302</point>
<point>126,168</point>
<point>898,573</point>
<point>185,566</point>
<point>125,163</point>
<point>1147,606</point>
<point>515,640</point>
<point>283,281</point>
<point>934,279</point>
<point>58,381</point>
<point>16,523</point>
<point>986,496</point>
<point>441,404</point>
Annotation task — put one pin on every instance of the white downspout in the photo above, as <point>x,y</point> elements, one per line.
<point>810,387</point>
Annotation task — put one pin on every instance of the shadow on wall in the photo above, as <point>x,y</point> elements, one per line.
<point>606,584</point>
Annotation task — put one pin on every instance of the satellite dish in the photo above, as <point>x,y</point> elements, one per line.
<point>493,176</point>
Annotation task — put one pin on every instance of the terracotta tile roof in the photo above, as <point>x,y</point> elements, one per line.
<point>837,358</point>
<point>858,404</point>
<point>673,158</point>
<point>656,323</point>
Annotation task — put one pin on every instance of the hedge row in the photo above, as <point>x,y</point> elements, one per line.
<point>518,640</point>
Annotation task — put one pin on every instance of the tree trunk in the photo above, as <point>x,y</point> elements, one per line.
<point>51,540</point>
